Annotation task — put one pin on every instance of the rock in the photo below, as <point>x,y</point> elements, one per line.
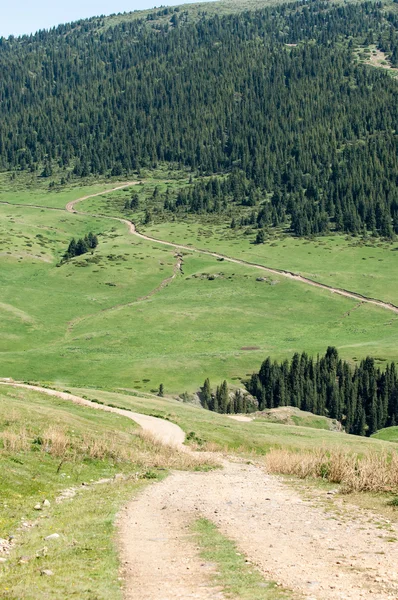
<point>5,545</point>
<point>53,536</point>
<point>38,507</point>
<point>46,572</point>
<point>46,503</point>
<point>24,560</point>
<point>3,560</point>
<point>119,477</point>
<point>42,553</point>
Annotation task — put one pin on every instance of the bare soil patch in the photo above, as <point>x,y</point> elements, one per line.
<point>250,348</point>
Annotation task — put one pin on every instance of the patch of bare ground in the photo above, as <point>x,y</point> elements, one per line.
<point>241,418</point>
<point>376,58</point>
<point>379,59</point>
<point>160,559</point>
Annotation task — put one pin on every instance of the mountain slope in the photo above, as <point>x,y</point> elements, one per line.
<point>275,95</point>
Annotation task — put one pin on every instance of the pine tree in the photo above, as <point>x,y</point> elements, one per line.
<point>223,397</point>
<point>206,394</point>
<point>260,237</point>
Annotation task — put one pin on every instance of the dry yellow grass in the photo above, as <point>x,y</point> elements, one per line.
<point>15,441</point>
<point>147,451</point>
<point>370,473</point>
<point>157,454</point>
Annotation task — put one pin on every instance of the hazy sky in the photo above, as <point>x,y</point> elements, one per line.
<point>26,16</point>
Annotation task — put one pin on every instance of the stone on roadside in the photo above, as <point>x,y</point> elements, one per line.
<point>38,507</point>
<point>46,503</point>
<point>46,572</point>
<point>53,536</point>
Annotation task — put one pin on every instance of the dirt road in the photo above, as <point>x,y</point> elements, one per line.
<point>332,553</point>
<point>165,431</point>
<point>318,555</point>
<point>70,207</point>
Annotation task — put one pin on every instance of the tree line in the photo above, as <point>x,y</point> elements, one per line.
<point>223,401</point>
<point>364,398</point>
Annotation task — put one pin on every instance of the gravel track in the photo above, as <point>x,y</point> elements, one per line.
<point>337,553</point>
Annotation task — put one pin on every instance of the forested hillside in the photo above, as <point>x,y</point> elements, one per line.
<point>365,398</point>
<point>275,96</point>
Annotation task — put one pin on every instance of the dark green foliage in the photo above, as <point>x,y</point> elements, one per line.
<point>306,134</point>
<point>364,399</point>
<point>222,395</point>
<point>206,398</point>
<point>223,402</point>
<point>260,237</point>
<point>161,390</point>
<point>83,245</point>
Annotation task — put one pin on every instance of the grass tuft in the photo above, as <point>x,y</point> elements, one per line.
<point>238,578</point>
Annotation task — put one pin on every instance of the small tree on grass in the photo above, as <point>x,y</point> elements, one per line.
<point>134,202</point>
<point>161,391</point>
<point>260,237</point>
<point>224,397</point>
<point>206,394</point>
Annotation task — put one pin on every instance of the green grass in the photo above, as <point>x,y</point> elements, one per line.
<point>239,579</point>
<point>256,437</point>
<point>314,422</point>
<point>85,523</point>
<point>363,266</point>
<point>90,323</point>
<point>84,560</point>
<point>293,416</point>
<point>390,434</point>
<point>26,188</point>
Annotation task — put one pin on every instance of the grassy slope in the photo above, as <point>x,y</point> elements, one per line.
<point>195,10</point>
<point>257,436</point>
<point>390,434</point>
<point>293,416</point>
<point>85,523</point>
<point>30,189</point>
<point>56,324</point>
<point>363,266</point>
<point>366,267</point>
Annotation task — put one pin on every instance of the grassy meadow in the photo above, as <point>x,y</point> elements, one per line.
<point>105,320</point>
<point>45,449</point>
<point>86,463</point>
<point>362,265</point>
<point>208,430</point>
<point>366,266</point>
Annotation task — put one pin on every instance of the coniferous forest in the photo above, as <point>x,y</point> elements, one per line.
<point>363,398</point>
<point>273,103</point>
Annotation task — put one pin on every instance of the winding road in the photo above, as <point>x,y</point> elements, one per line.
<point>70,207</point>
<point>317,547</point>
